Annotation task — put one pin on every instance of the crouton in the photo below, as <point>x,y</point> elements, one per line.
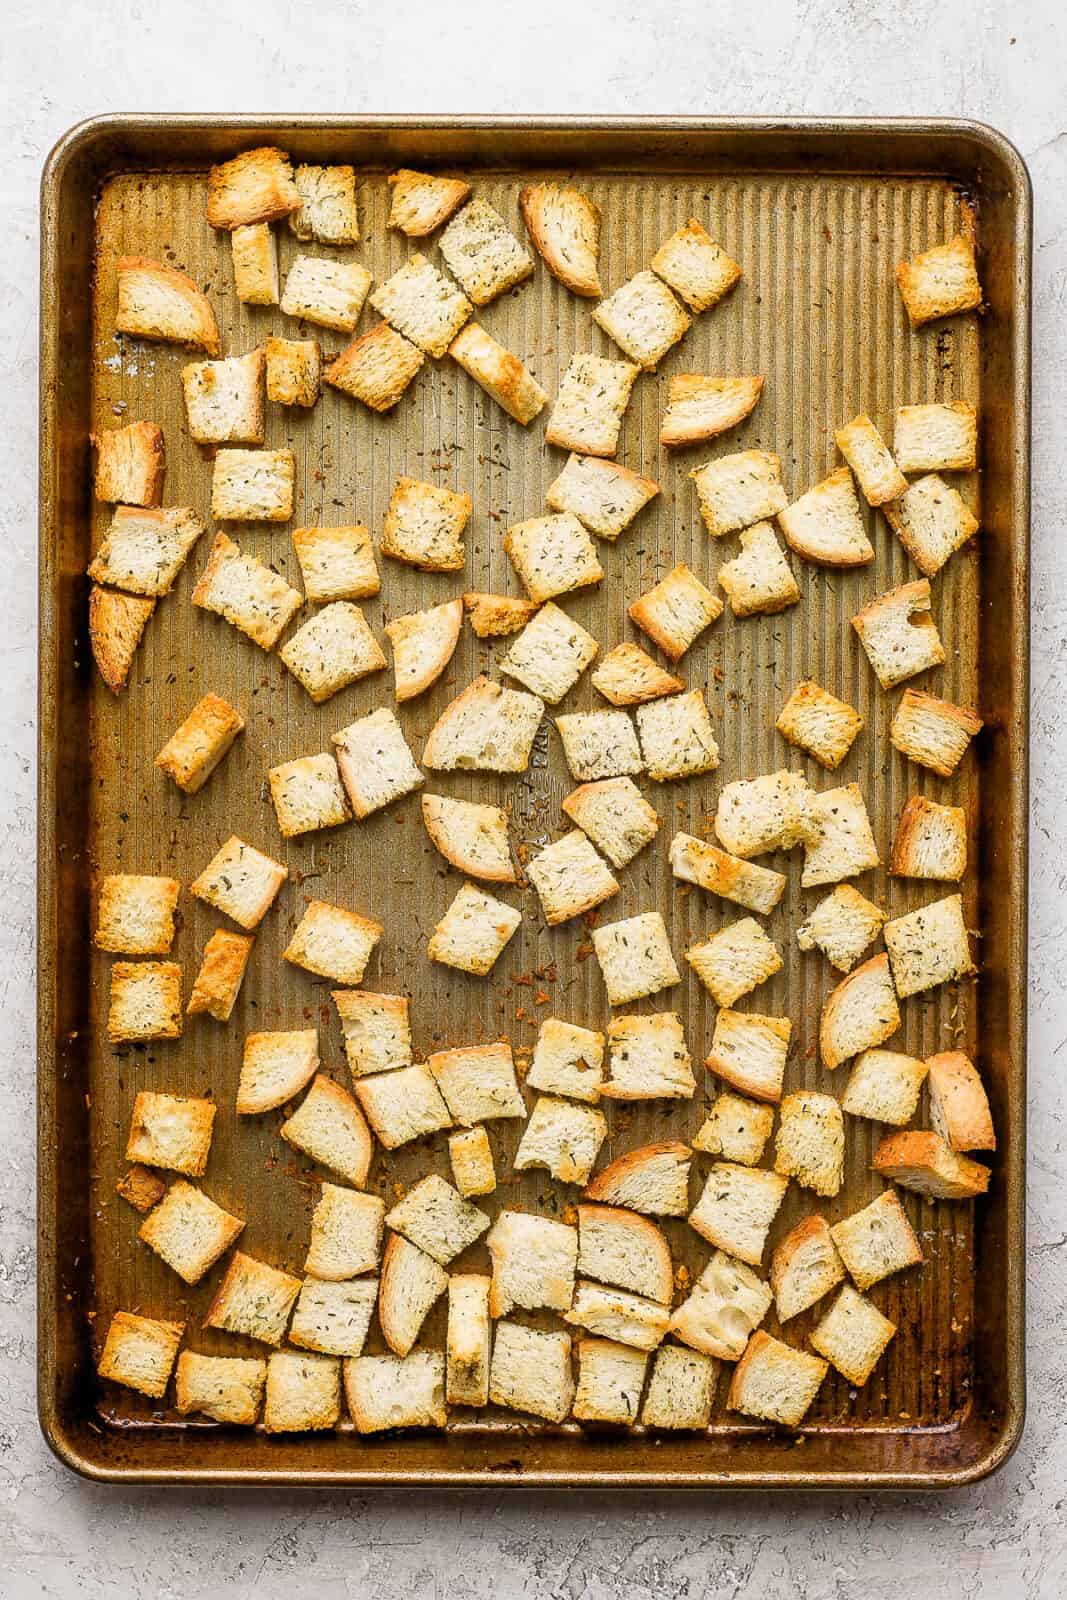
<point>221,974</point>
<point>421,201</point>
<point>643,318</point>
<point>135,914</point>
<point>145,1001</point>
<point>739,490</point>
<point>328,212</point>
<point>171,1131</point>
<point>274,1068</point>
<point>567,1060</point>
<point>860,1013</point>
<point>328,293</point>
<point>139,1353</point>
<point>376,368</point>
<point>628,676</point>
<point>493,616</point>
<point>337,563</point>
<point>615,815</point>
<point>246,593</point>
<point>189,1231</point>
<point>254,253</point>
<point>884,1085</point>
<point>635,957</point>
<point>681,1389</point>
<point>253,1299</point>
<point>936,438</point>
<point>774,1382</point>
<point>328,1127</point>
<point>653,1180</point>
<point>240,882</point>
<point>590,405</point>
<point>334,1318</point>
<point>599,744</point>
<point>499,373</point>
<point>617,1246</point>
<point>131,464</point>
<point>225,1388</point>
<point>843,845</point>
<point>534,1262</point>
<point>628,1319</point>
<point>473,931</point>
<point>695,861</point>
<point>736,1129</point>
<point>385,1392</point>
<point>734,960</point>
<point>564,226</point>
<point>424,526</point>
<point>700,407</point>
<point>675,611</point>
<point>749,1051</point>
<point>160,302</point>
<point>487,728</point>
<point>294,372</point>
<point>303,1393</point>
<point>531,1371</point>
<point>570,878</point>
<point>930,841</point>
<point>346,1234</point>
<point>932,522</point>
<point>758,579</point>
<point>472,837</point>
<point>563,1137</point>
<point>611,1377</point>
<point>423,305</point>
<point>224,399</point>
<point>333,943</point>
<point>695,266</point>
<point>376,1030</point>
<point>308,795</point>
<point>925,1163</point>
<point>676,737</point>
<point>256,186</point>
<point>932,732</point>
<point>550,654</point>
<point>648,1059</point>
<point>940,282</point>
<point>756,815</point>
<point>868,455</point>
<point>817,721</point>
<point>804,1267</point>
<point>842,926</point>
<point>725,1304</point>
<point>603,495</point>
<point>402,1104</point>
<point>478,1082</point>
<point>144,550</point>
<point>437,1219</point>
<point>552,555</point>
<point>852,1335</point>
<point>195,749</point>
<point>736,1209</point>
<point>468,1340</point>
<point>877,1241</point>
<point>471,1158</point>
<point>898,634</point>
<point>959,1106</point>
<point>375,763</point>
<point>929,946</point>
<point>141,1189</point>
<point>482,253</point>
<point>252,486</point>
<point>334,648</point>
<point>810,1143</point>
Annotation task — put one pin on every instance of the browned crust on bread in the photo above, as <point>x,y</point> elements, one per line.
<point>180,283</point>
<point>533,203</point>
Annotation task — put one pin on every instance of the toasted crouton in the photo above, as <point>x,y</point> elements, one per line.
<point>253,1299</point>
<point>628,676</point>
<point>334,648</point>
<point>564,225</point>
<point>224,1388</point>
<point>756,815</point>
<point>420,201</point>
<point>567,1060</point>
<point>959,1105</point>
<point>240,882</point>
<point>221,974</point>
<point>929,946</point>
<point>145,1001</point>
<point>482,253</point>
<point>611,1377</point>
<point>681,1390</point>
<point>195,749</point>
<point>676,737</point>
<point>253,486</point>
<point>189,1231</point>
<point>774,1382</point>
<point>804,1267</point>
<point>376,368</point>
<point>327,211</point>
<point>478,1082</point>
<point>337,563</point>
<point>423,305</point>
<point>402,1104</point>
<point>376,1029</point>
<point>884,1085</point>
<point>648,1059</point>
<point>135,914</point>
<point>860,1013</point>
<point>700,408</point>
<point>224,399</point>
<point>493,616</point>
<point>144,550</point>
<point>818,722</point>
<point>616,1314</point>
<point>736,1209</point>
<point>246,593</point>
<point>635,957</point>
<point>531,1371</point>
<point>810,1143</point>
<point>473,931</point>
<point>758,579</point>
<point>385,1392</point>
<point>550,654</point>
<point>936,438</point>
<point>931,841</point>
<point>471,1158</point>
<point>303,1392</point>
<point>424,526</point>
<point>534,1262</point>
<point>254,253</point>
<point>695,266</point>
<point>615,815</point>
<point>472,837</point>
<point>643,318</point>
<point>604,496</point>
<point>736,1129</point>
<point>867,454</point>
<point>726,1303</point>
<point>437,1219</point>
<point>160,302</point>
<point>932,522</point>
<point>842,925</point>
<point>346,1234</point>
<point>308,795</point>
<point>334,1318</point>
<point>749,1050</point>
<point>619,1247</point>
<point>139,1353</point>
<point>853,1335</point>
<point>675,611</point>
<point>563,1137</point>
<point>552,555</point>
<point>695,861</point>
<point>274,1069</point>
<point>499,373</point>
<point>468,1340</point>
<point>593,395</point>
<point>487,728</point>
<point>925,1163</point>
<point>375,763</point>
<point>333,943</point>
<point>844,844</point>
<point>328,293</point>
<point>940,282</point>
<point>570,878</point>
<point>599,744</point>
<point>329,1127</point>
<point>131,464</point>
<point>256,186</point>
<point>898,633</point>
<point>171,1131</point>
<point>739,490</point>
<point>877,1241</point>
<point>734,960</point>
<point>294,371</point>
<point>653,1180</point>
<point>935,733</point>
<point>141,1189</point>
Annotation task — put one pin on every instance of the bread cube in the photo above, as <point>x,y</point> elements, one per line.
<point>898,634</point>
<point>700,408</point>
<point>677,740</point>
<point>738,490</point>
<point>411,1284</point>
<point>550,654</point>
<point>423,305</point>
<point>603,495</point>
<point>749,1051</point>
<point>810,1143</point>
<point>471,1158</point>
<point>635,957</point>
<point>884,1085</point>
<point>531,1371</point>
<point>437,1219</point>
<point>725,1304</point>
<point>144,550</point>
<point>221,974</point>
<point>482,253</point>
<point>774,1382</point>
<point>308,795</point>
<point>940,282</point>
<point>377,1033</point>
<point>843,845</point>
<point>487,728</point>
<point>376,368</point>
<point>616,1314</point>
<point>195,749</point>
<point>402,1104</point>
<point>563,1137</point>
<point>936,438</point>
<point>246,593</point>
<point>131,464</point>
<point>327,211</point>
<point>959,1105</point>
<point>868,455</point>
<point>346,1234</point>
<point>141,1189</point>
<point>826,524</point>
<point>567,1060</point>
<point>139,1353</point>
<point>615,815</point>
<point>736,1209</point>
<point>387,1392</point>
<point>924,1162</point>
<point>759,579</point>
<point>337,563</point>
<point>375,763</point>
<point>225,1388</point>
<point>294,372</point>
<point>592,400</point>
<point>648,1059</point>
<point>303,1393</point>
<point>334,1318</point>
<point>611,1377</point>
<point>241,882</point>
<point>859,1014</point>
<point>254,253</point>
<point>643,318</point>
<point>628,676</point>
<point>932,521</point>
<point>224,399</point>
<point>552,555</point>
<point>534,1262</point>
<point>189,1231</point>
<point>156,301</point>
<point>817,721</point>
<point>695,861</point>
<point>736,1129</point>
<point>473,931</point>
<point>256,186</point>
<point>172,1131</point>
<point>618,1247</point>
<point>570,878</point>
<point>423,642</point>
<point>253,1299</point>
<point>734,961</point>
<point>842,926</point>
<point>472,837</point>
<point>877,1241</point>
<point>932,732</point>
<point>421,201</point>
<point>564,225</point>
<point>328,293</point>
<point>929,946</point>
<point>329,1128</point>
<point>274,1068</point>
<point>695,266</point>
<point>334,648</point>
<point>599,744</point>
<point>681,1390</point>
<point>804,1267</point>
<point>653,1180</point>
<point>755,815</point>
<point>424,526</point>
<point>478,1082</point>
<point>145,1001</point>
<point>333,943</point>
<point>853,1336</point>
<point>135,914</point>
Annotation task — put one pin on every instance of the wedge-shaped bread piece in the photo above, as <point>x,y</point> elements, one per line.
<point>695,861</point>
<point>898,633</point>
<point>931,841</point>
<point>804,1267</point>
<point>877,1241</point>
<point>643,318</point>
<point>145,1001</point>
<point>337,563</point>
<point>252,486</point>
<point>593,395</point>
<point>468,1340</point>
<point>817,721</point>
<point>375,763</point>
<point>423,305</point>
<point>328,210</point>
<point>334,1318</point>
<point>253,1299</point>
<point>376,368</point>
<point>755,815</point>
<point>493,616</point>
<point>246,593</point>
<point>421,201</point>
<point>303,1392</point>
<point>567,1060</point>
<point>653,1180</point>
<point>810,1143</point>
<point>675,611</point>
<point>734,960</point>
<point>550,654</point>
<point>499,373</point>
<point>739,490</point>
<point>695,266</point>
<point>868,455</point>
<point>759,579</point>
<point>334,648</point>
<point>929,946</point>
<point>346,1234</point>
<point>224,399</point>
<point>424,526</point>
<point>139,1353</point>
<point>531,1371</point>
<point>563,1137</point>
<point>859,1014</point>
<point>195,749</point>
<point>635,957</point>
<point>844,843</point>
<point>160,302</point>
<point>224,1388</point>
<point>629,1319</point>
<point>329,1127</point>
<point>774,1382</point>
<point>473,931</point>
<point>940,282</point>
<point>478,1082</point>
<point>924,1162</point>
<point>135,914</point>
<point>435,1216</point>
<point>257,186</point>
<point>552,555</point>
<point>726,1303</point>
<point>482,253</point>
<point>391,1392</point>
<point>936,438</point>
<point>603,495</point>
<point>402,1104</point>
<point>648,1059</point>
<point>677,740</point>
<point>736,1129</point>
<point>959,1105</point>
<point>141,1189</point>
<point>471,1157</point>
<point>472,837</point>
<point>681,1390</point>
<point>144,549</point>
<point>700,408</point>
<point>487,728</point>
<point>736,1209</point>
<point>171,1131</point>
<point>615,815</point>
<point>275,1067</point>
<point>240,882</point>
<point>884,1085</point>
<point>842,926</point>
<point>534,1262</point>
<point>599,744</point>
<point>570,878</point>
<point>628,676</point>
<point>327,293</point>
<point>131,464</point>
<point>853,1335</point>
<point>932,732</point>
<point>749,1051</point>
<point>564,226</point>
<point>254,253</point>
<point>611,1377</point>
<point>221,974</point>
<point>376,1029</point>
<point>189,1231</point>
<point>617,1246</point>
<point>308,795</point>
<point>294,371</point>
<point>932,521</point>
<point>333,943</point>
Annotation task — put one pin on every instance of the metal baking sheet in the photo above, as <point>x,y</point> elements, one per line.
<point>818,213</point>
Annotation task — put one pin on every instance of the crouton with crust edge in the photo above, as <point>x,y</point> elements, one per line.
<point>189,1231</point>
<point>675,611</point>
<point>253,1299</point>
<point>749,1051</point>
<point>470,1156</point>
<point>328,293</point>
<point>498,373</point>
<point>628,676</point>
<point>959,1105</point>
<point>493,616</point>
<point>700,408</point>
<point>884,1086</point>
<point>932,521</point>
<point>735,1129</point>
<point>477,1082</point>
<point>677,740</point>
<point>898,633</point>
<point>804,1267</point>
<point>468,1340</point>
<point>567,1060</point>
<point>424,526</point>
<point>241,882</point>
<point>868,455</point>
<point>615,815</point>
<point>486,728</point>
<point>337,563</point>
<point>774,1382</point>
<point>254,255</point>
<point>619,1247</point>
<point>256,186</point>
<point>155,301</point>
<point>860,1013</point>
<point>924,1162</point>
<point>221,974</point>
<point>930,841</point>
<point>135,914</point>
<point>401,1104</point>
<point>145,548</point>
<point>246,593</point>
<point>328,1127</point>
<point>376,368</point>
<point>294,371</point>
<point>534,1262</point>
<point>131,464</point>
<point>471,837</point>
<point>376,765</point>
<point>550,654</point>
<point>734,960</point>
<point>940,282</point>
<point>377,1033</point>
<point>473,931</point>
<point>570,878</point>
<point>196,747</point>
<point>731,878</point>
<point>346,1234</point>
<point>436,1218</point>
<point>617,1314</point>
<point>695,266</point>
<point>844,845</point>
<point>224,401</point>
<point>308,795</point>
<point>936,438</point>
<point>593,395</point>
<point>736,1209</point>
<point>275,1066</point>
<point>653,1179</point>
<point>564,227</point>
<point>422,201</point>
<point>139,1352</point>
<point>604,495</point>
<point>815,720</point>
<point>932,732</point>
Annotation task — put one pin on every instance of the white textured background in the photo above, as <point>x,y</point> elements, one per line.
<point>1005,63</point>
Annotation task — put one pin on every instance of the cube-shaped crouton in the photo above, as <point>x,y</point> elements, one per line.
<point>482,253</point>
<point>635,957</point>
<point>423,642</point>
<point>346,1234</point>
<point>695,861</point>
<point>141,1189</point>
<point>643,318</point>
<point>593,395</point>
<point>146,1001</point>
<point>860,1013</point>
<point>817,721</point>
<point>653,1180</point>
<point>131,464</point>
<point>959,1105</point>
<point>253,486</point>
<point>135,914</point>
<point>294,371</point>
<point>337,563</point>
<point>611,1377</point>
<point>221,974</point>
<point>932,732</point>
<point>473,931</point>
<point>736,1209</point>
<point>224,1388</point>
<point>755,815</point>
<point>144,550</point>
<point>275,1067</point>
<point>156,301</point>
<point>563,1137</point>
<point>804,1267</point>
<point>240,882</point>
<point>493,616</point>
<point>423,305</point>
<point>844,843</point>
<point>333,943</point>
<point>172,1131</point>
<point>932,522</point>
<point>676,737</point>
<point>616,1314</point>
<point>246,593</point>
<point>534,1262</point>
<point>552,555</point>
<point>329,1127</point>
<point>734,960</point>
<point>931,841</point>
<point>224,399</point>
<point>334,648</point>
<point>471,1158</point>
<point>735,1129</point>
<point>929,946</point>
<point>376,765</point>
<point>256,186</point>
<point>570,878</point>
<point>487,728</point>
<point>648,1059</point>
<point>437,1219</point>
<point>328,293</point>
<point>681,1390</point>
<point>567,1060</point>
<point>376,368</point>
<point>727,1302</point>
<point>499,373</point>
<point>402,1104</point>
<point>599,744</point>
<point>531,1371</point>
<point>700,407</point>
<point>550,654</point>
<point>472,837</point>
<point>391,1392</point>
<point>424,526</point>
<point>421,201</point>
<point>334,1318</point>
<point>195,749</point>
<point>936,438</point>
<point>628,676</point>
<point>759,579</point>
<point>327,212</point>
<point>774,1382</point>
<point>852,1335</point>
<point>868,455</point>
<point>615,815</point>
<point>308,795</point>
<point>253,1299</point>
<point>303,1393</point>
<point>940,282</point>
<point>139,1353</point>
<point>377,1031</point>
<point>618,1247</point>
<point>842,925</point>
<point>604,496</point>
<point>898,633</point>
<point>564,225</point>
<point>478,1082</point>
<point>254,253</point>
<point>739,490</point>
<point>749,1051</point>
<point>884,1085</point>
<point>675,611</point>
<point>877,1241</point>
<point>695,266</point>
<point>189,1231</point>
<point>810,1143</point>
